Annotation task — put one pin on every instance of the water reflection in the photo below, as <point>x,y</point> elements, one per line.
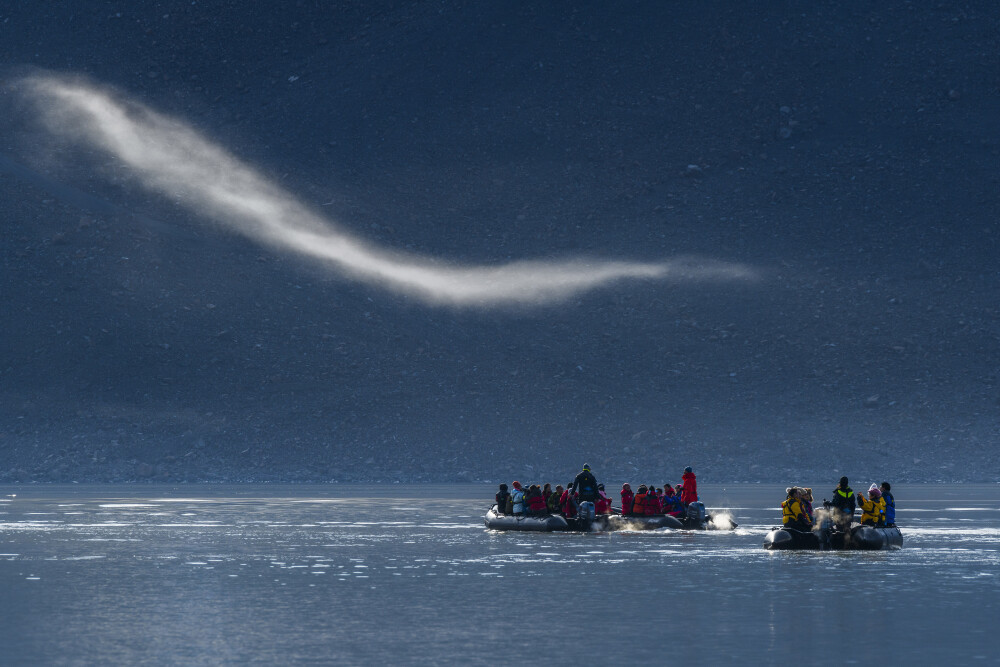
<point>283,574</point>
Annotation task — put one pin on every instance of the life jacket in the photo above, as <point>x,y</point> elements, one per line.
<point>689,494</point>
<point>627,499</point>
<point>843,499</point>
<point>652,503</point>
<point>792,514</point>
<point>603,504</point>
<point>639,503</point>
<point>536,503</point>
<point>872,511</point>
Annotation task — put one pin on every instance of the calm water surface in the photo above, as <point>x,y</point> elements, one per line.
<point>346,575</point>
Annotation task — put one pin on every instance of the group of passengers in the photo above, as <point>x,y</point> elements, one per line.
<point>532,500</point>
<point>878,509</point>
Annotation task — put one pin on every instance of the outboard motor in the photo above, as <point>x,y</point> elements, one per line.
<point>696,513</point>
<point>586,513</point>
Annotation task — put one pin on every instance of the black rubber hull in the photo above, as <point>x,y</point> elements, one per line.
<point>863,538</point>
<point>538,524</point>
<point>873,539</point>
<point>602,522</point>
<point>789,539</point>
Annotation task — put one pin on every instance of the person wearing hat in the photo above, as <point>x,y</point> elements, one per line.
<point>689,492</point>
<point>586,485</point>
<point>844,502</point>
<point>517,498</point>
<point>872,508</point>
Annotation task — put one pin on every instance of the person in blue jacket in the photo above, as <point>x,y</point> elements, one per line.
<point>890,505</point>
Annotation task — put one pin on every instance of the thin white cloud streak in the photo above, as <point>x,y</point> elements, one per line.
<point>173,159</point>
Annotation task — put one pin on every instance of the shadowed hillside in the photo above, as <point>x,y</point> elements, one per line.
<point>848,155</point>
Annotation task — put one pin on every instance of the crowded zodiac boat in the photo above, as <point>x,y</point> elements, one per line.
<point>583,505</point>
<point>832,527</point>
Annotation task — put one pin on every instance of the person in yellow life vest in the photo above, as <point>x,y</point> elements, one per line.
<point>792,513</point>
<point>872,508</point>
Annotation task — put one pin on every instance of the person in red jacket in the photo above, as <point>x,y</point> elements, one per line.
<point>568,502</point>
<point>627,498</point>
<point>652,501</point>
<point>603,504</point>
<point>689,493</point>
<point>535,501</point>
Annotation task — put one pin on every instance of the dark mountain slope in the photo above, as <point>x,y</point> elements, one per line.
<point>848,154</point>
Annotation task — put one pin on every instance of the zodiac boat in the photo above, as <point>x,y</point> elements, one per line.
<point>695,519</point>
<point>830,537</point>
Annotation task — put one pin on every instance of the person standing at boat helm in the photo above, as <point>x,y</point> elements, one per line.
<point>844,502</point>
<point>586,489</point>
<point>689,492</point>
<point>586,485</point>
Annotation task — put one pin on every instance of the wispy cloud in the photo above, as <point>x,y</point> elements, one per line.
<point>170,157</point>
